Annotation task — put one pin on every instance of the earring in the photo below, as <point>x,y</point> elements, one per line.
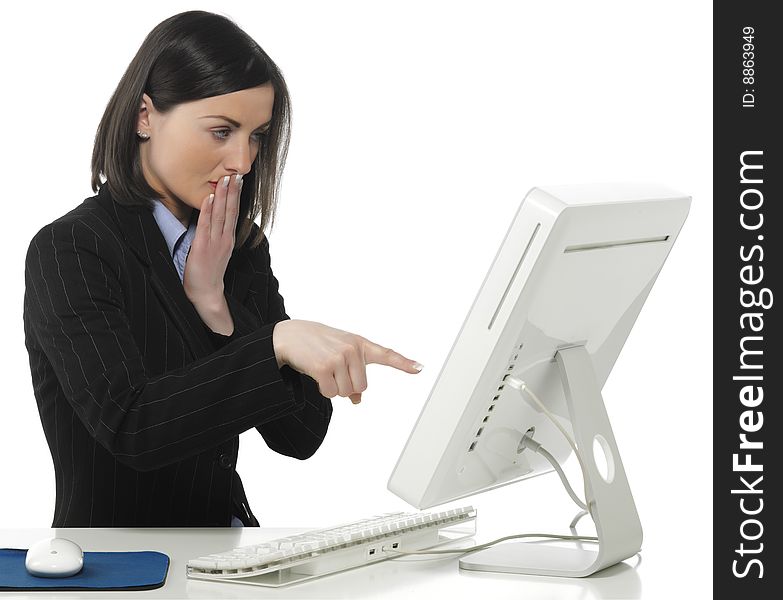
<point>143,136</point>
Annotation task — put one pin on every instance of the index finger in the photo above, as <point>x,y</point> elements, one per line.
<point>232,205</point>
<point>379,355</point>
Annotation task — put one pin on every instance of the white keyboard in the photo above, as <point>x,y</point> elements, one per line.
<point>320,552</point>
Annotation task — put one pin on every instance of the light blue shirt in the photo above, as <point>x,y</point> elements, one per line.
<point>178,238</point>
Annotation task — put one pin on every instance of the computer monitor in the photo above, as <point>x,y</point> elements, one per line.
<point>563,291</point>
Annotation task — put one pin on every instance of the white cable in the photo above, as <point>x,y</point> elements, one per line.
<point>529,442</point>
<point>576,519</point>
<point>586,538</point>
<point>520,385</point>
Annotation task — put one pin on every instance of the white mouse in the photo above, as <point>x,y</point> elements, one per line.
<point>54,557</point>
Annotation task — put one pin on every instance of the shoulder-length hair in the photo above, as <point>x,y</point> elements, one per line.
<point>190,56</point>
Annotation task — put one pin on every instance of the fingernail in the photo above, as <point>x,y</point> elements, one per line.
<point>239,178</point>
<point>211,198</point>
<point>226,179</point>
<point>417,366</point>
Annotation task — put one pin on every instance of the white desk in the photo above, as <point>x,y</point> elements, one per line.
<point>403,577</point>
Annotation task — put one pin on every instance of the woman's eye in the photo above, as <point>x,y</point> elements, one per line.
<point>217,134</point>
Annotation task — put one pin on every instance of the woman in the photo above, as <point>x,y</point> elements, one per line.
<point>153,321</point>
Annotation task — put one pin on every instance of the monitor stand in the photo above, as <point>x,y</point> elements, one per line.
<point>610,501</point>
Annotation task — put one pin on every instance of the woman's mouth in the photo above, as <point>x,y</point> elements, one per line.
<point>213,184</point>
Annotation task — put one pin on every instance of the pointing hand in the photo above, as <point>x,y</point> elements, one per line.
<point>335,359</point>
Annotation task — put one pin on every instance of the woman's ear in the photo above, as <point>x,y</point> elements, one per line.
<point>143,122</point>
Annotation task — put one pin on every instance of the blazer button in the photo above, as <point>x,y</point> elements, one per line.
<point>225,461</point>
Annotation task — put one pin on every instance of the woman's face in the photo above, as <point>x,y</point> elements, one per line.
<point>192,144</point>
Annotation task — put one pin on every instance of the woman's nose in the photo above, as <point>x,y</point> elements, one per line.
<point>241,157</point>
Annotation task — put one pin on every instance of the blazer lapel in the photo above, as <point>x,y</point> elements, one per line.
<point>146,241</point>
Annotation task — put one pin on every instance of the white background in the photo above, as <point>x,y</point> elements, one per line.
<point>418,127</point>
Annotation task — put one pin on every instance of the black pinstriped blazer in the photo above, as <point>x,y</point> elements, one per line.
<point>141,403</point>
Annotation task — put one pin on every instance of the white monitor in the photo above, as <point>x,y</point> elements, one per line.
<point>563,291</point>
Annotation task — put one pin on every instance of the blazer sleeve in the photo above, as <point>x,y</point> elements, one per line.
<point>300,433</point>
<point>77,311</point>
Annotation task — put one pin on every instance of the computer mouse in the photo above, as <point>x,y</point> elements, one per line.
<point>54,557</point>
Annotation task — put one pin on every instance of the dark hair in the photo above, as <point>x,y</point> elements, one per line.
<point>190,56</point>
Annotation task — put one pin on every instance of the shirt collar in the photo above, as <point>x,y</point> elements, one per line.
<point>169,225</point>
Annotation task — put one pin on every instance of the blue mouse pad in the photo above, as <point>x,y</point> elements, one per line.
<point>101,571</point>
